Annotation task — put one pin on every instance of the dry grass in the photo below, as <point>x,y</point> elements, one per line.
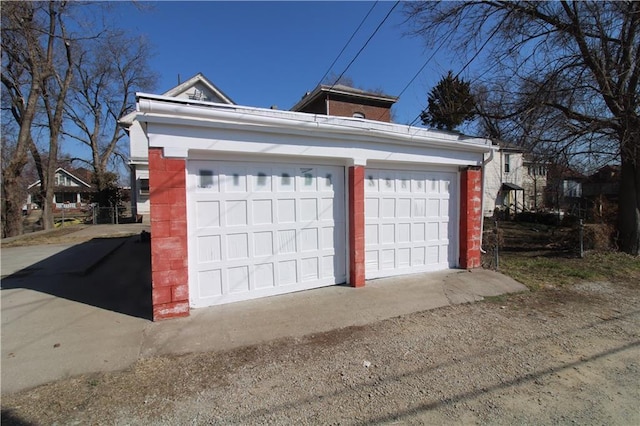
<point>547,257</point>
<point>55,236</point>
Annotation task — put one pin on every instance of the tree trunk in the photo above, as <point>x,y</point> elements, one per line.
<point>11,206</point>
<point>629,198</point>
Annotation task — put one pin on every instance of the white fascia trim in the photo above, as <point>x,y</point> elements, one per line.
<point>158,109</point>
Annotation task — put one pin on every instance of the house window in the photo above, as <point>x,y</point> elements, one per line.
<point>62,180</point>
<point>507,163</point>
<point>144,186</point>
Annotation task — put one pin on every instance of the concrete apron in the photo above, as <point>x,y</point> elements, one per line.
<point>46,337</point>
<point>307,312</point>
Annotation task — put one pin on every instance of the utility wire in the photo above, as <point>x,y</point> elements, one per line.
<point>347,43</point>
<point>444,40</point>
<point>365,44</point>
<point>493,33</point>
<point>481,48</point>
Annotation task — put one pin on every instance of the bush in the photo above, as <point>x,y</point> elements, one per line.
<point>597,237</point>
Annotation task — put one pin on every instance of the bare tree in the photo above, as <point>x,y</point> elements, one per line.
<point>575,65</point>
<point>32,33</point>
<point>108,73</point>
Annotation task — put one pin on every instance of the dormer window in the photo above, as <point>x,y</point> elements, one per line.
<point>358,115</point>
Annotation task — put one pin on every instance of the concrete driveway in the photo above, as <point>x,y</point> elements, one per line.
<point>74,309</point>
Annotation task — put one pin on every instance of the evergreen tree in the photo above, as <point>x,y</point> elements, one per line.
<point>450,104</point>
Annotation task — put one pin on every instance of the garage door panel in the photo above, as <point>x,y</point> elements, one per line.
<point>209,283</point>
<point>208,214</point>
<point>309,209</point>
<point>264,275</point>
<point>371,234</point>
<point>259,230</point>
<point>207,180</point>
<point>404,233</point>
<point>234,179</point>
<point>235,213</point>
<point>418,232</point>
<point>372,260</point>
<point>287,240</point>
<point>404,257</point>
<point>287,272</point>
<point>408,221</point>
<point>262,211</point>
<point>209,248</point>
<point>388,233</point>
<point>263,243</point>
<point>418,256</point>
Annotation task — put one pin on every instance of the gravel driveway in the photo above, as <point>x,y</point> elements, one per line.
<point>563,356</point>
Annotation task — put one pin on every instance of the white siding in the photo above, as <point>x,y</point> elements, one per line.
<point>495,175</point>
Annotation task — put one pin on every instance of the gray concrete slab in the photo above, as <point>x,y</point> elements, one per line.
<point>298,314</point>
<point>50,259</point>
<point>57,324</point>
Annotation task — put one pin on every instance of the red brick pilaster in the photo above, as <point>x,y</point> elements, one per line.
<point>470,217</point>
<point>169,273</point>
<point>356,226</point>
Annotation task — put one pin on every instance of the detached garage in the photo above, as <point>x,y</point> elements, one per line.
<point>249,202</point>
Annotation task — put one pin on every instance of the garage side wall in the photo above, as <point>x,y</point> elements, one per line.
<point>169,273</point>
<point>470,217</point>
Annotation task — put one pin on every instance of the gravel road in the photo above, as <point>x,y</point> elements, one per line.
<point>558,356</point>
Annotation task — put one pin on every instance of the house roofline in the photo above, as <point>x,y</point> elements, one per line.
<point>62,170</point>
<point>342,90</point>
<point>126,120</point>
<point>154,108</point>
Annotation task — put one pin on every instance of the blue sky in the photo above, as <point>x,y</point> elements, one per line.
<point>270,53</point>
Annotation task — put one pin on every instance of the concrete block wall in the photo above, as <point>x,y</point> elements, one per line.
<point>169,268</point>
<point>356,226</point>
<point>470,217</point>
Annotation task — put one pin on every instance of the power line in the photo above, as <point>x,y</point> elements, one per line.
<point>444,40</point>
<point>493,33</point>
<point>481,48</point>
<point>365,44</point>
<point>347,43</point>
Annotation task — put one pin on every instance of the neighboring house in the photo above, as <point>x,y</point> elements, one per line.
<point>602,190</point>
<point>251,202</point>
<point>72,190</point>
<point>504,178</point>
<point>197,89</point>
<point>564,189</point>
<point>534,182</point>
<point>603,183</point>
<point>345,101</point>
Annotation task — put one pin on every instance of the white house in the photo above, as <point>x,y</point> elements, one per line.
<point>250,202</point>
<point>504,177</point>
<point>535,182</point>
<point>197,88</point>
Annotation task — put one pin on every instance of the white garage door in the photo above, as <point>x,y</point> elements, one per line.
<point>410,219</point>
<point>258,229</point>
